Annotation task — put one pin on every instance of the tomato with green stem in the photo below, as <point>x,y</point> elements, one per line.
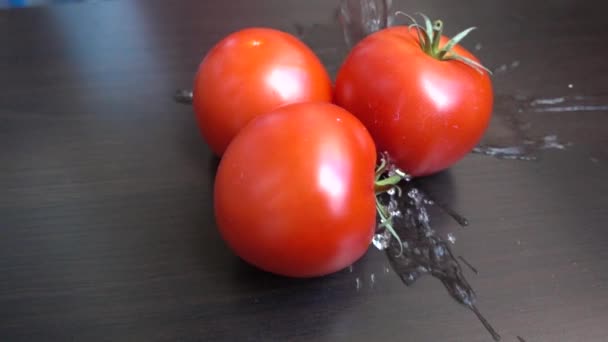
<point>251,72</point>
<point>295,192</point>
<point>425,99</point>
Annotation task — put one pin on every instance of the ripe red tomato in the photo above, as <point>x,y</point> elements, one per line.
<point>294,192</point>
<point>251,72</point>
<point>425,112</point>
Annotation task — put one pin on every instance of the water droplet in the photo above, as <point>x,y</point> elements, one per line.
<point>478,46</point>
<point>350,268</point>
<point>501,68</point>
<point>391,191</point>
<point>372,279</point>
<point>381,240</point>
<point>439,251</point>
<point>423,216</point>
<point>387,270</point>
<point>550,141</point>
<point>183,96</point>
<point>451,238</point>
<point>393,208</point>
<point>357,283</point>
<point>570,85</point>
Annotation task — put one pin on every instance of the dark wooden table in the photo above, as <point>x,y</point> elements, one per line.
<point>106,222</point>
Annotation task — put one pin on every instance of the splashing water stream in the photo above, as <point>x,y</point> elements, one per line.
<point>423,250</point>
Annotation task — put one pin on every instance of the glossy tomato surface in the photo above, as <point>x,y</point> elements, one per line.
<point>426,113</point>
<point>294,191</point>
<point>251,72</point>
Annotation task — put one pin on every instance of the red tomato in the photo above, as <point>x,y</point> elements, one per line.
<point>294,192</point>
<point>251,72</point>
<point>425,112</point>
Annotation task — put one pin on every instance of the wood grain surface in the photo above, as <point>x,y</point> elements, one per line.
<point>106,216</point>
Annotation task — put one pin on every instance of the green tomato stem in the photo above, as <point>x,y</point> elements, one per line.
<point>429,37</point>
<point>384,183</point>
<point>436,38</point>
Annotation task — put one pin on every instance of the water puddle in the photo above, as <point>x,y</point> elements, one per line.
<point>511,134</point>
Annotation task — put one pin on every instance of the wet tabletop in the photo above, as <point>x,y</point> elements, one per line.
<point>106,216</point>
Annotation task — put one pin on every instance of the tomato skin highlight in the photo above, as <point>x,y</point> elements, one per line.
<point>426,113</point>
<point>250,72</point>
<point>294,192</point>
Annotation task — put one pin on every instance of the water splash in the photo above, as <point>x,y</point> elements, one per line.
<point>508,152</point>
<point>579,108</point>
<point>549,101</point>
<point>550,141</point>
<point>527,151</point>
<point>569,104</point>
<point>423,251</point>
<point>360,18</point>
<point>381,240</point>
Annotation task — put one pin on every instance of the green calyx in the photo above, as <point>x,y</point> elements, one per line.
<point>386,181</point>
<point>429,37</point>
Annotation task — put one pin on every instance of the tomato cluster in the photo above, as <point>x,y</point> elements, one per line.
<point>296,188</point>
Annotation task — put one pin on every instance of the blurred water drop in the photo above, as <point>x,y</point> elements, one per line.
<point>550,141</point>
<point>183,96</point>
<point>451,238</point>
<point>382,240</point>
<point>508,152</point>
